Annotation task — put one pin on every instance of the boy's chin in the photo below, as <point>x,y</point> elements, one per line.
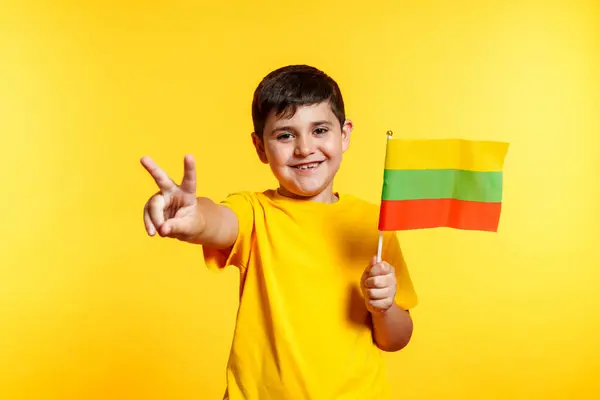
<point>302,193</point>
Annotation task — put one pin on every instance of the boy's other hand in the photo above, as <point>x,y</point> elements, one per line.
<point>172,210</point>
<point>378,285</point>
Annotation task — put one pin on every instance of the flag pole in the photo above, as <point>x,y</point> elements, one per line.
<point>389,135</point>
<point>379,246</point>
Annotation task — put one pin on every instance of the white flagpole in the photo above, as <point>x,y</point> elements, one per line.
<point>380,241</point>
<point>379,246</point>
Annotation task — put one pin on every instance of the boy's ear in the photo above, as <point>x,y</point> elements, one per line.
<point>260,148</point>
<point>346,131</point>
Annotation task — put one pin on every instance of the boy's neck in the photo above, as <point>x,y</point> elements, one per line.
<point>325,196</point>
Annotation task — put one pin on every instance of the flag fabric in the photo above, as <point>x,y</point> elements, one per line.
<point>434,183</point>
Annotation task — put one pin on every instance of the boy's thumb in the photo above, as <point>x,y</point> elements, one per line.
<point>373,261</point>
<point>171,228</point>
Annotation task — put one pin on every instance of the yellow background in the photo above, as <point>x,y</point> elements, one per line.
<point>92,308</point>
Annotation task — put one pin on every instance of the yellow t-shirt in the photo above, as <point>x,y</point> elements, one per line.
<point>303,331</point>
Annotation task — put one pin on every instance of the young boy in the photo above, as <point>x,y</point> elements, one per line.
<point>316,310</point>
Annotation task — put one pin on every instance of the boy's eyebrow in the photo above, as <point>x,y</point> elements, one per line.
<point>283,128</point>
<point>291,128</point>
<point>324,122</point>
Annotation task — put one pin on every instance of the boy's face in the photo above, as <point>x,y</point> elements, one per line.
<point>305,151</point>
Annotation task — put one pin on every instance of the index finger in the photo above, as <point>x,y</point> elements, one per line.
<point>381,268</point>
<point>160,177</point>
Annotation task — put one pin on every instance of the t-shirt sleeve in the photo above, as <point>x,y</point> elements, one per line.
<point>239,254</point>
<point>406,297</point>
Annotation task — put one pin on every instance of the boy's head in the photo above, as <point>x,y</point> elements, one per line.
<point>300,129</point>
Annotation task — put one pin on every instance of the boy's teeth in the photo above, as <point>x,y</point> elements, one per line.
<point>307,166</point>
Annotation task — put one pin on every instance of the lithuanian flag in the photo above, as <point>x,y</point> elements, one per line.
<point>442,183</point>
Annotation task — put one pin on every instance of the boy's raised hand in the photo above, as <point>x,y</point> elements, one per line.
<point>172,210</point>
<point>378,285</point>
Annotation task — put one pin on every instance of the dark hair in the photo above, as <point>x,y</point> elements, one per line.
<point>285,89</point>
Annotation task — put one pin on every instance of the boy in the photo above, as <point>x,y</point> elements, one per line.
<point>316,309</point>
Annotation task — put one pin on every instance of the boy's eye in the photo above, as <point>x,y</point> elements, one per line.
<point>320,131</point>
<point>284,136</point>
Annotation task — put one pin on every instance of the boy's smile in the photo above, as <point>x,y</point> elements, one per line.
<point>305,150</point>
<point>307,167</point>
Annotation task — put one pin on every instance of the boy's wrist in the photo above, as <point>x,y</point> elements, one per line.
<point>383,312</point>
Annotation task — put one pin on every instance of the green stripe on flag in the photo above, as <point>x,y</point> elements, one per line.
<point>442,184</point>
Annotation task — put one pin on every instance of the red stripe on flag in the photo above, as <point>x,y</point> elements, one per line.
<point>398,215</point>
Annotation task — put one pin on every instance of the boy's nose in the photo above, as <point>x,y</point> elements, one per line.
<point>304,147</point>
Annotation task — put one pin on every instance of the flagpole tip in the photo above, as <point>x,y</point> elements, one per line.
<point>389,134</point>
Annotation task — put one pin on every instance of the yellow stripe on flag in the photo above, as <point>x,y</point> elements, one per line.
<point>484,156</point>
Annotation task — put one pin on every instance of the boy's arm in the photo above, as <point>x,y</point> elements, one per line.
<point>218,225</point>
<point>392,328</point>
<point>389,294</point>
<point>392,325</point>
